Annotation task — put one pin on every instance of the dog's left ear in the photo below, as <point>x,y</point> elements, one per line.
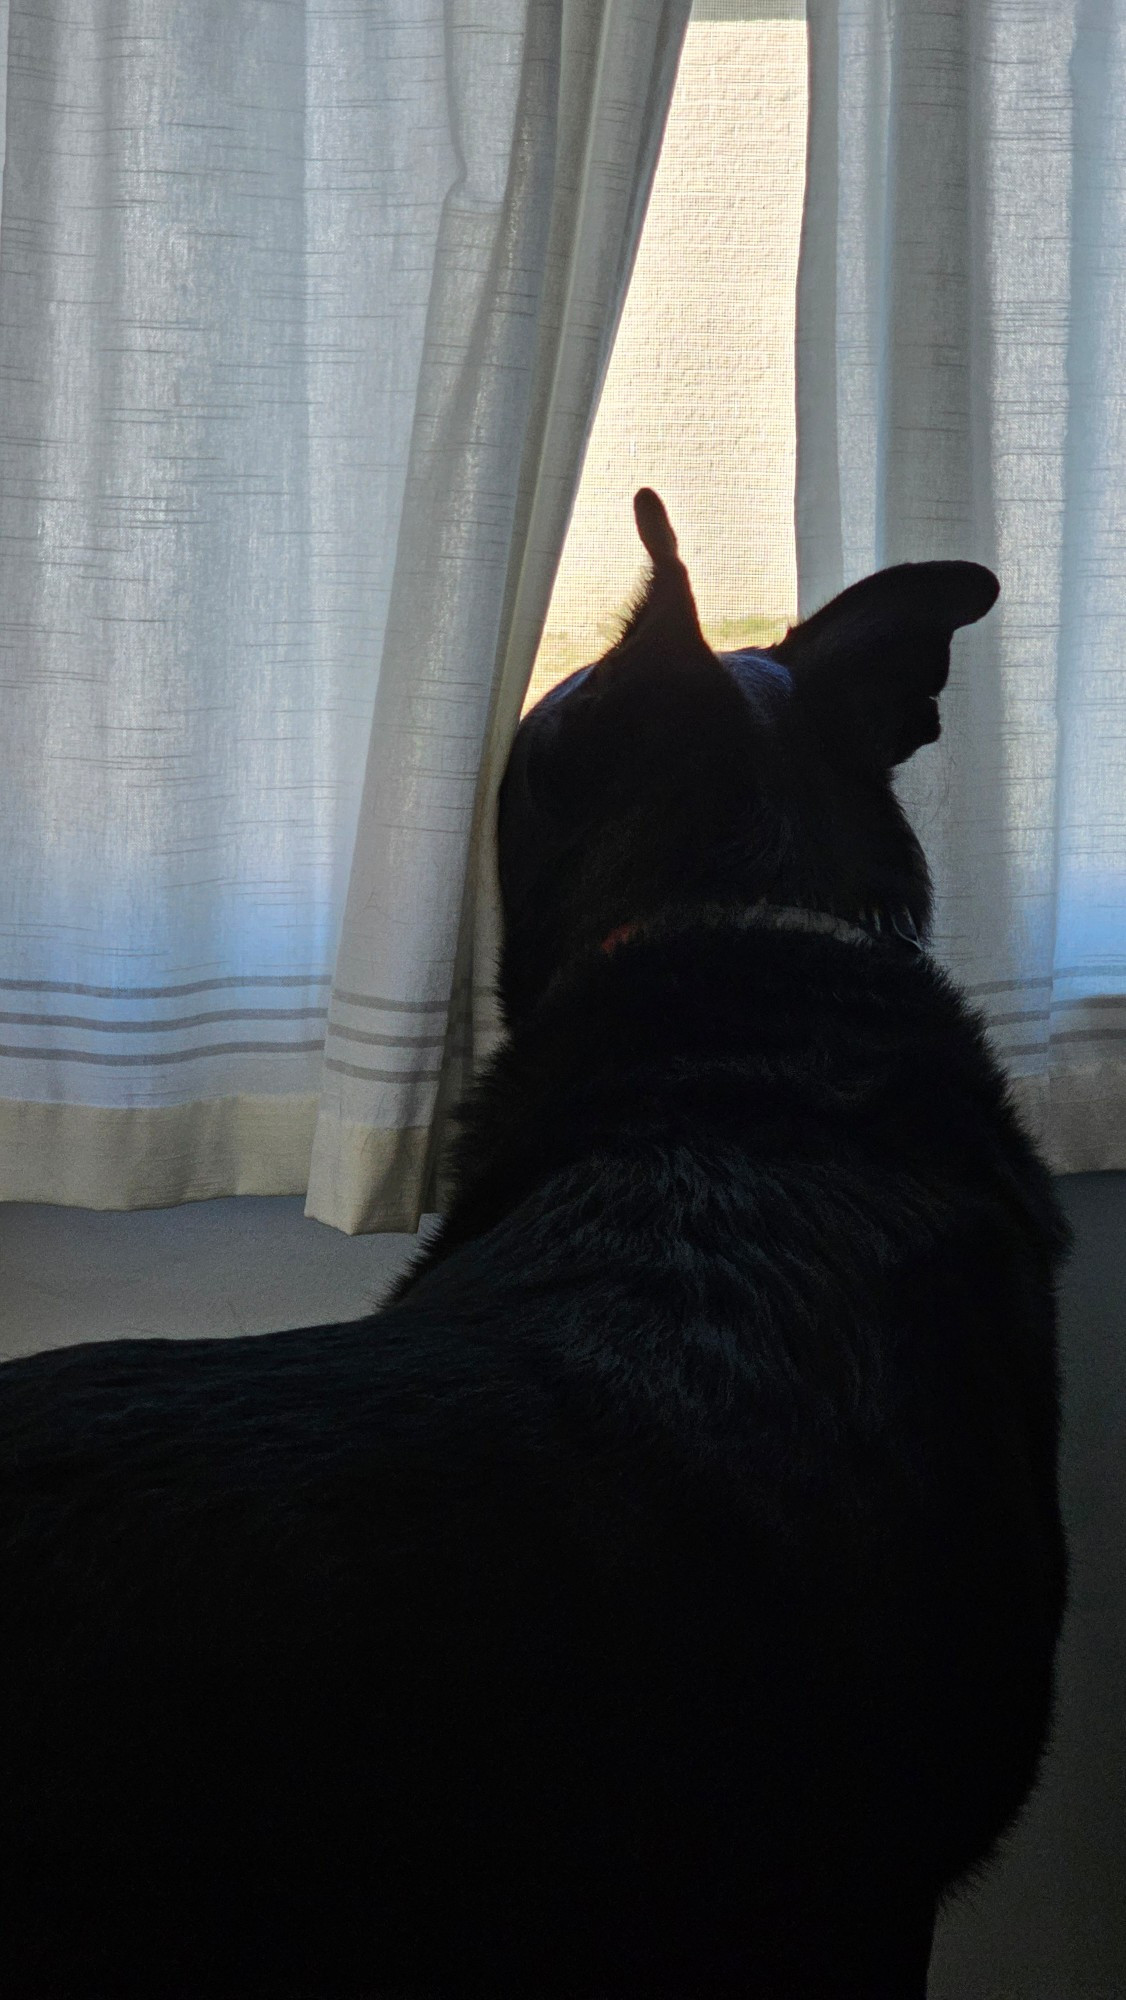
<point>664,620</point>
<point>869,666</point>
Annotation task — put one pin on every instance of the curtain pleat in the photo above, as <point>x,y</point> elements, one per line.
<point>303,313</point>
<point>961,323</point>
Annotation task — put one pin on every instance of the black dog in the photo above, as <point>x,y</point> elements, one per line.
<point>660,1597</point>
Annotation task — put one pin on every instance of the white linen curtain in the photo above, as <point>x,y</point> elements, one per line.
<point>303,314</point>
<point>961,392</point>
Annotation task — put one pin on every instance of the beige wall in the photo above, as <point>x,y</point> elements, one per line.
<point>699,397</point>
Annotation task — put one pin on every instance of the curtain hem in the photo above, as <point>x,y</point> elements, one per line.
<point>364,1179</point>
<point>100,1156</point>
<point>1078,1120</point>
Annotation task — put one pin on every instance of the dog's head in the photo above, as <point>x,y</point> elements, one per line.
<point>666,776</point>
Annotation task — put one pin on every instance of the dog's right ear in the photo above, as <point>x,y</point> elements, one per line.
<point>869,666</point>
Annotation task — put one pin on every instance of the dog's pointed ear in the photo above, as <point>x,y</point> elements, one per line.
<point>643,697</point>
<point>665,612</point>
<point>869,666</point>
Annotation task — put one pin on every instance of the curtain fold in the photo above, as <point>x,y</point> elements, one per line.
<point>303,313</point>
<point>961,323</point>
<point>478,552</point>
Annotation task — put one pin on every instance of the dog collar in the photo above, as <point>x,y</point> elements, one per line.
<point>898,927</point>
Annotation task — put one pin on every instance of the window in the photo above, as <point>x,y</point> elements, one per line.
<point>699,397</point>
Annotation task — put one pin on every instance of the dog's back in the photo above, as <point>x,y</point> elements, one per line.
<point>659,1597</point>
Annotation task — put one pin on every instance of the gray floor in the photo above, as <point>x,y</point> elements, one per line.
<point>1049,1920</point>
<point>210,1267</point>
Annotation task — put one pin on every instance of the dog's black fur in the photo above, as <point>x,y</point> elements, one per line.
<point>659,1598</point>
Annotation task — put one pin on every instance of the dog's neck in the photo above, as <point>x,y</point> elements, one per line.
<point>897,927</point>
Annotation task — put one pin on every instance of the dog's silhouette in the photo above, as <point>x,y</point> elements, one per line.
<point>658,1599</point>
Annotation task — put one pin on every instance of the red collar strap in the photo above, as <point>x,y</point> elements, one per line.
<point>617,937</point>
<point>898,927</point>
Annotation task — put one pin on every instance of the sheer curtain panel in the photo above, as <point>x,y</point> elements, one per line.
<point>961,334</point>
<point>303,314</point>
